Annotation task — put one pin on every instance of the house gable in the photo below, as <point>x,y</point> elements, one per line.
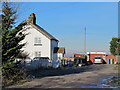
<point>31,47</point>
<point>32,21</point>
<point>48,42</point>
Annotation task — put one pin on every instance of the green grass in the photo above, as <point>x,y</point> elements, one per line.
<point>115,80</point>
<point>117,67</point>
<point>11,82</point>
<point>21,82</point>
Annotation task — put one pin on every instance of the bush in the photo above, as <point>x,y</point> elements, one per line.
<point>12,74</point>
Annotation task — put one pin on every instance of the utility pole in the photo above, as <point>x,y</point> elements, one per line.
<point>85,42</point>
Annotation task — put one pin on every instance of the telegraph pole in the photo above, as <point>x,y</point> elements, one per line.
<point>85,42</point>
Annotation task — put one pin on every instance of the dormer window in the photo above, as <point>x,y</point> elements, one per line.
<point>37,41</point>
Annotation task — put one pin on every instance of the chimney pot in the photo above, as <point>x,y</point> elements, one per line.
<point>32,18</point>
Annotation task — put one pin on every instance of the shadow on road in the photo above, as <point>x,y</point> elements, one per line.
<point>66,70</point>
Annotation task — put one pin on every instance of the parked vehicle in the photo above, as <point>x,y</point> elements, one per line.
<point>98,59</point>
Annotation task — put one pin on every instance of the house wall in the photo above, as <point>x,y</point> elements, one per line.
<point>60,56</point>
<point>30,48</point>
<point>53,45</point>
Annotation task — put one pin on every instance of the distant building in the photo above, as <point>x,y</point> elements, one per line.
<point>78,55</point>
<point>60,51</point>
<point>91,56</point>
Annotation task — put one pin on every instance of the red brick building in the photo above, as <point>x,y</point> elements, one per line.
<point>111,57</point>
<point>78,55</point>
<point>116,59</point>
<point>91,56</point>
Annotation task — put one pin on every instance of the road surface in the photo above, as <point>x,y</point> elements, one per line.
<point>84,77</point>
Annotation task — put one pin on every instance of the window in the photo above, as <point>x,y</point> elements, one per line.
<point>37,54</point>
<point>98,57</point>
<point>37,40</point>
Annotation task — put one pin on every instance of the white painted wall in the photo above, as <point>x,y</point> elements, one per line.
<point>60,55</point>
<point>53,45</point>
<point>31,48</point>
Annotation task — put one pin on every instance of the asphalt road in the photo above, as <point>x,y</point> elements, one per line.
<point>80,77</point>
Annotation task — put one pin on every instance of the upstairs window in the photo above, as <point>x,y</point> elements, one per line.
<point>37,40</point>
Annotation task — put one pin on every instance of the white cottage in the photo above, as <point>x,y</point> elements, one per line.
<point>39,43</point>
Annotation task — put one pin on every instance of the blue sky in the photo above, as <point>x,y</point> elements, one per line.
<point>66,21</point>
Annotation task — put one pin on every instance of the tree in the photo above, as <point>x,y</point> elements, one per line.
<point>10,42</point>
<point>8,16</point>
<point>10,39</point>
<point>118,47</point>
<point>114,46</point>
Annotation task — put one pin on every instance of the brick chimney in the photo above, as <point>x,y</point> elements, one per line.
<point>32,18</point>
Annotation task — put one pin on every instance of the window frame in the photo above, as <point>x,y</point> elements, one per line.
<point>37,53</point>
<point>37,41</point>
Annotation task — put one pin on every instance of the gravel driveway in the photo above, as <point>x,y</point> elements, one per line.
<point>73,77</point>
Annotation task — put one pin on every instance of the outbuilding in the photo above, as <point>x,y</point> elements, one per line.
<point>91,56</point>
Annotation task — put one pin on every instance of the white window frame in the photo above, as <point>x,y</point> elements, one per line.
<point>37,53</point>
<point>37,40</point>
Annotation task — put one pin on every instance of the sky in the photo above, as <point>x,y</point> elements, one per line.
<point>66,22</point>
<point>65,0</point>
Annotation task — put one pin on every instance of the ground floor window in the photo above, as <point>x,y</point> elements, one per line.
<point>38,54</point>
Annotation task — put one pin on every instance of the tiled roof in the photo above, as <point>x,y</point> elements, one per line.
<point>41,30</point>
<point>59,50</point>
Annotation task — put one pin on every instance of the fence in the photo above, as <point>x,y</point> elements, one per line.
<point>55,63</point>
<point>42,63</point>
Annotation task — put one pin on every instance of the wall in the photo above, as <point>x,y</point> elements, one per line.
<point>30,48</point>
<point>53,45</point>
<point>60,55</point>
<point>36,64</point>
<point>92,56</point>
<point>78,55</point>
<point>41,63</point>
<point>111,57</point>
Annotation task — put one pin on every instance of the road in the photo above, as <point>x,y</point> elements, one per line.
<point>80,77</point>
